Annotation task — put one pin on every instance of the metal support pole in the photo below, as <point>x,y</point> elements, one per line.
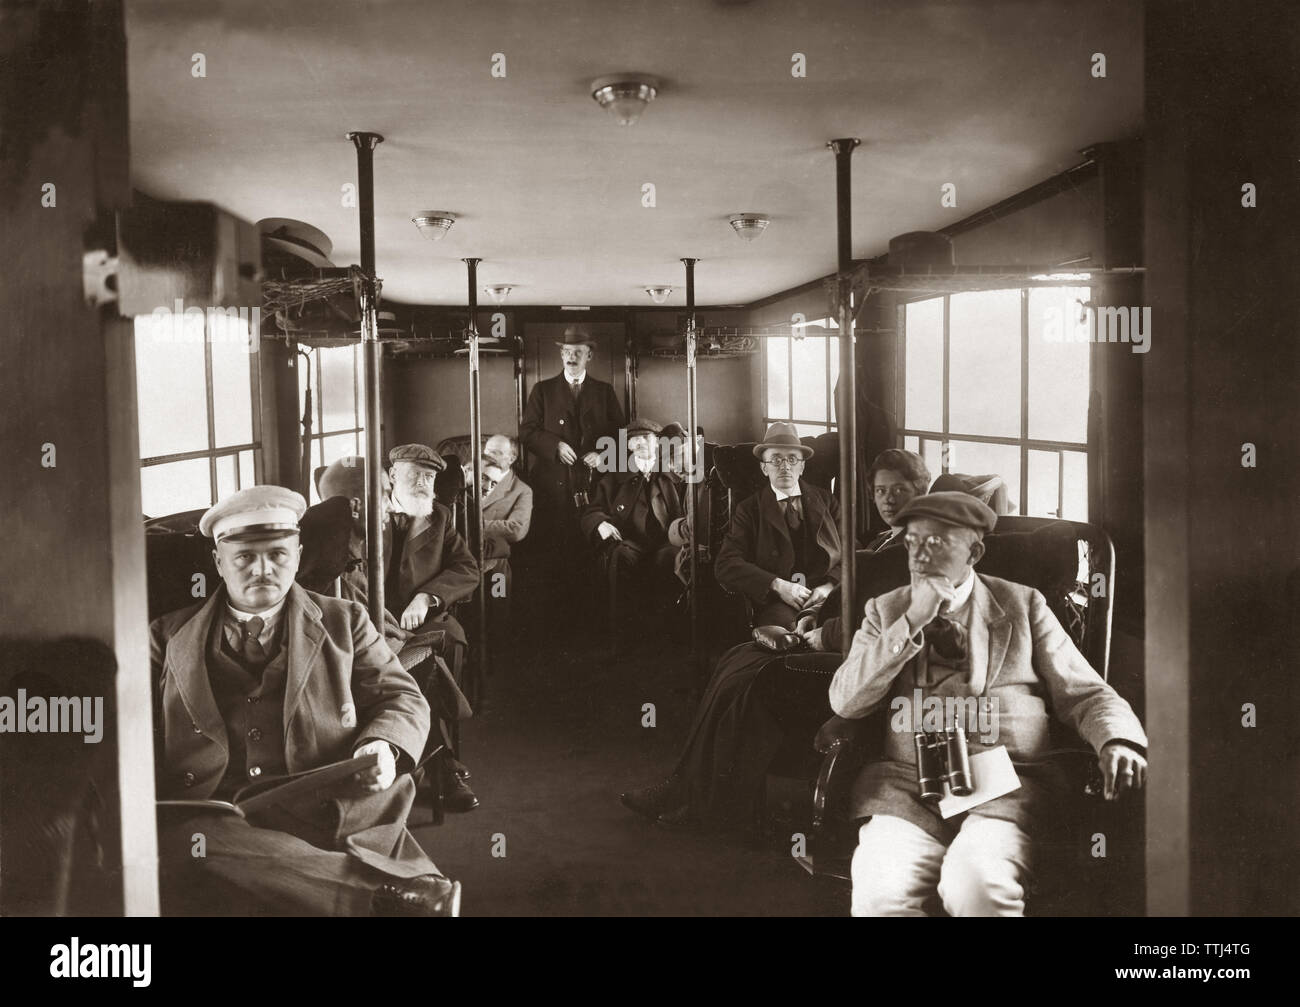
<point>366,144</point>
<point>692,463</point>
<point>475,523</point>
<point>847,406</point>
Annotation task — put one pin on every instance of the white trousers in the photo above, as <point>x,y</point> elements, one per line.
<point>898,866</point>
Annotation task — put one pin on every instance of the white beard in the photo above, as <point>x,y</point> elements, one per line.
<point>416,506</point>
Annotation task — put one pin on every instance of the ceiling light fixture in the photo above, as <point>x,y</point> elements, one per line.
<point>659,294</point>
<point>748,226</point>
<point>625,95</point>
<point>434,224</point>
<point>498,293</point>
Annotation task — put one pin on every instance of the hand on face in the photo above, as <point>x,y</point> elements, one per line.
<point>258,574</point>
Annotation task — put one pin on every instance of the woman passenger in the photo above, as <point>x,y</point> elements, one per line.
<point>735,735</point>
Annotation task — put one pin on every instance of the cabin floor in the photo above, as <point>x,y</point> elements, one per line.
<point>556,739</point>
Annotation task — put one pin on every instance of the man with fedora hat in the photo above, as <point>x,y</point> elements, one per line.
<point>630,514</point>
<point>782,549</point>
<point>954,635</point>
<point>563,423</point>
<point>264,679</point>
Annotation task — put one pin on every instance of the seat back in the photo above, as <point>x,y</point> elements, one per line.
<point>824,465</point>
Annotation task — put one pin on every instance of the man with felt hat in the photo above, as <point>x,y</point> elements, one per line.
<point>782,549</point>
<point>564,420</point>
<point>266,679</point>
<point>963,643</point>
<point>630,514</point>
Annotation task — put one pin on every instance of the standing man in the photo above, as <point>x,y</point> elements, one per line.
<point>564,420</point>
<point>264,679</point>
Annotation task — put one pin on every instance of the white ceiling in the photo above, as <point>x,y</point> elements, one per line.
<point>992,96</point>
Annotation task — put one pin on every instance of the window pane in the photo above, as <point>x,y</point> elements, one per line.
<point>232,392</point>
<point>227,475</point>
<point>984,363</point>
<point>778,378</point>
<point>1044,476</point>
<point>175,487</point>
<point>1076,486</point>
<point>932,452</point>
<point>1058,365</point>
<point>247,477</point>
<point>973,458</point>
<point>808,376</point>
<point>833,347</point>
<point>338,394</point>
<point>912,444</point>
<point>170,385</point>
<point>923,395</point>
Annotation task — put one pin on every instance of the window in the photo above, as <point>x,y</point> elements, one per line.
<point>337,427</point>
<point>799,373</point>
<point>197,391</point>
<point>997,381</point>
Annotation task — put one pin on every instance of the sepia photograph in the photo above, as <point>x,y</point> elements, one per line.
<point>650,458</point>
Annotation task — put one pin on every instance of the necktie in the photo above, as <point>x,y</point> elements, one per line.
<point>947,638</point>
<point>574,388</point>
<point>792,516</point>
<point>251,646</point>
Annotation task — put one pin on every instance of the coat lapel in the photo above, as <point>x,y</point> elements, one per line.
<point>303,637</point>
<point>771,512</point>
<point>990,634</point>
<point>188,665</point>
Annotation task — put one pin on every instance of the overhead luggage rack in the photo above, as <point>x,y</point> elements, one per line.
<point>957,279</point>
<point>715,342</point>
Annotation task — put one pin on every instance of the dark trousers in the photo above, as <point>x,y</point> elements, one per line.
<point>637,576</point>
<point>325,857</point>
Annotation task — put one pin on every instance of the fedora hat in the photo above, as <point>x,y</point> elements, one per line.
<point>301,240</point>
<point>782,435</point>
<point>575,335</point>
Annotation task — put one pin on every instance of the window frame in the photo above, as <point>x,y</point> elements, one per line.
<point>318,433</point>
<point>1023,442</point>
<point>826,333</point>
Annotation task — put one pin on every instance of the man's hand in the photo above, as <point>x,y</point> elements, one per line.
<point>607,531</point>
<point>379,777</point>
<point>819,596</point>
<point>928,595</point>
<point>835,729</point>
<point>417,611</point>
<point>794,595</point>
<point>813,638</point>
<point>591,459</point>
<point>1122,768</point>
<point>567,454</point>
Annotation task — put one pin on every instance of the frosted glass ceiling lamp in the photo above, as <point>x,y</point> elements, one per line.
<point>625,95</point>
<point>434,224</point>
<point>748,226</point>
<point>498,293</point>
<point>659,294</point>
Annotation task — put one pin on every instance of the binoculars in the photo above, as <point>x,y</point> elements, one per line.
<point>942,757</point>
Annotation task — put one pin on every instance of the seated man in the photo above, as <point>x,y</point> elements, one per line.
<point>629,516</point>
<point>782,549</point>
<point>507,506</point>
<point>266,678</point>
<point>428,568</point>
<point>346,477</point>
<point>954,633</point>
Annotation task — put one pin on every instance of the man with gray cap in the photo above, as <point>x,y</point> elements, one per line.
<point>266,679</point>
<point>959,641</point>
<point>563,423</point>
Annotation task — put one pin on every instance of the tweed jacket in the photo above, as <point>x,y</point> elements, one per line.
<point>507,513</point>
<point>1019,657</point>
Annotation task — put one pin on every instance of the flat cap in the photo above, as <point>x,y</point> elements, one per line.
<point>256,512</point>
<point>951,507</point>
<point>641,426</point>
<point>417,454</point>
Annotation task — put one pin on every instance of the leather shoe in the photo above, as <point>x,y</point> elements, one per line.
<point>456,794</point>
<point>677,818</point>
<point>650,802</point>
<point>426,895</point>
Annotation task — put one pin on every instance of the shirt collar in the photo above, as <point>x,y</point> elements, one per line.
<point>265,616</point>
<point>643,465</point>
<point>575,381</point>
<point>963,591</point>
<point>783,495</point>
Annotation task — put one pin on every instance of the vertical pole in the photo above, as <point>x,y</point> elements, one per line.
<point>692,421</point>
<point>366,144</point>
<point>847,406</point>
<point>476,454</point>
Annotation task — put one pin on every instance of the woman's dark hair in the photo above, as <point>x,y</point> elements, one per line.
<point>908,464</point>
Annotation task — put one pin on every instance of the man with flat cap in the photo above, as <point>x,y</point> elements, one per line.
<point>629,516</point>
<point>265,679</point>
<point>564,420</point>
<point>953,634</point>
<point>782,549</point>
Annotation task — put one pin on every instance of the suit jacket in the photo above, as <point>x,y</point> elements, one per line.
<point>621,499</point>
<point>507,513</point>
<point>435,560</point>
<point>1020,657</point>
<point>758,547</point>
<point>552,417</point>
<point>343,685</point>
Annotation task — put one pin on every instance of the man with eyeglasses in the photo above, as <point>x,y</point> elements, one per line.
<point>782,549</point>
<point>956,635</point>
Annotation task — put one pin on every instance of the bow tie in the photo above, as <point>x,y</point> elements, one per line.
<point>948,638</point>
